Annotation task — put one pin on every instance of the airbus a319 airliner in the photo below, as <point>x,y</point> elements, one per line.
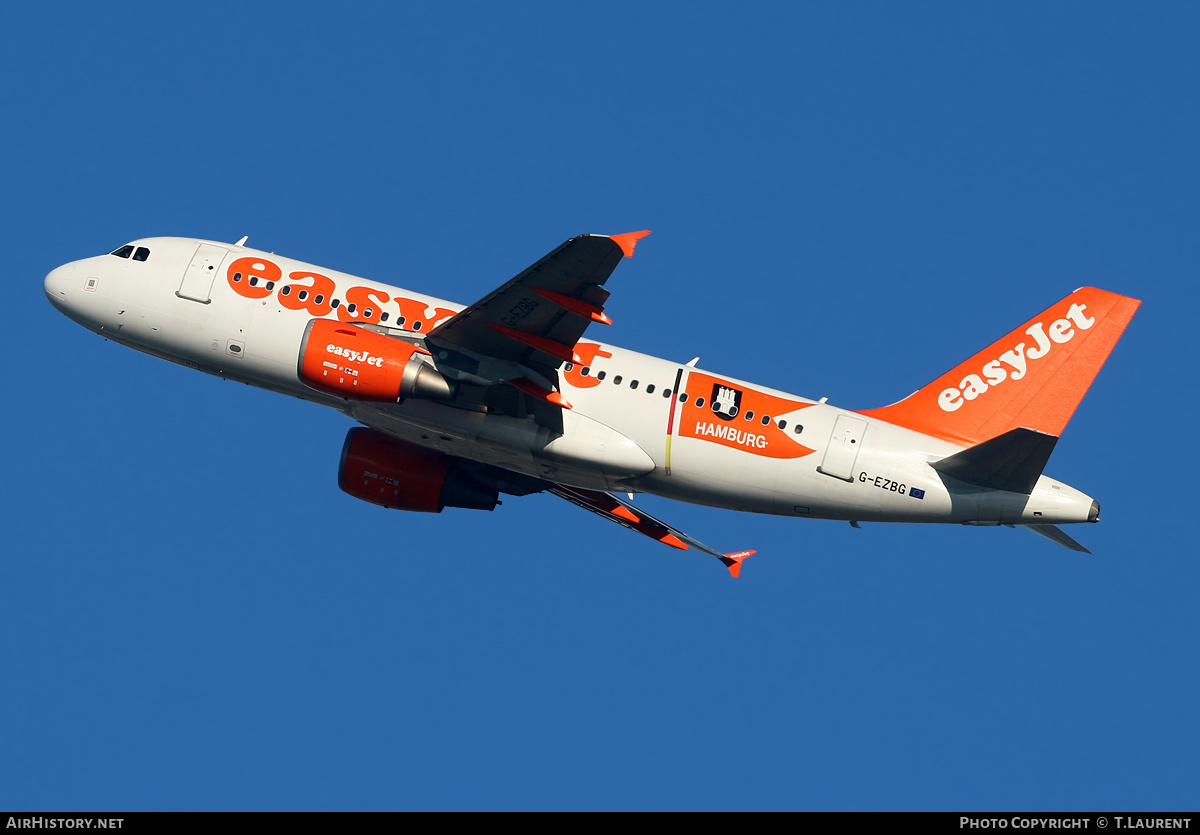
<point>460,404</point>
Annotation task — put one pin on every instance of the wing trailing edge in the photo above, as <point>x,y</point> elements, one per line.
<point>615,509</point>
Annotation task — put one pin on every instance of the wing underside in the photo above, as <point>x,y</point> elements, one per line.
<point>615,509</point>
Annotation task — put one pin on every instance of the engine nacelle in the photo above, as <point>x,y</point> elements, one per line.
<point>382,470</point>
<point>354,362</point>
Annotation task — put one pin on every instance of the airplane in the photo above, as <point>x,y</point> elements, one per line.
<point>458,405</point>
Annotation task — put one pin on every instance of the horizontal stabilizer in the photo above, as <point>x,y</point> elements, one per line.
<point>1055,534</point>
<point>1012,461</point>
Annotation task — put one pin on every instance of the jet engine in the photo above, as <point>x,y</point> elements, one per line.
<point>382,470</point>
<point>361,364</point>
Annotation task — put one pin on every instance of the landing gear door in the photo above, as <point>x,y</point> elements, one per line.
<point>199,276</point>
<point>843,447</point>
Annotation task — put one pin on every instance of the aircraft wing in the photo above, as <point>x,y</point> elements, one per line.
<point>622,512</point>
<point>531,324</point>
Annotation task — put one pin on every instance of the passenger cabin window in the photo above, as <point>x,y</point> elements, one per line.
<point>141,254</point>
<point>123,252</point>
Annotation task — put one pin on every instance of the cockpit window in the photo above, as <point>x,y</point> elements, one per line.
<point>142,254</point>
<point>125,251</point>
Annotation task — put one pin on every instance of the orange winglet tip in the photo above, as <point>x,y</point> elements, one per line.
<point>625,513</point>
<point>734,561</point>
<point>577,306</point>
<point>674,541</point>
<point>628,241</point>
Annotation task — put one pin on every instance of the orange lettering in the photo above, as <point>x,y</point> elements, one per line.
<point>587,351</point>
<point>415,315</point>
<point>368,305</point>
<point>306,296</point>
<point>249,276</point>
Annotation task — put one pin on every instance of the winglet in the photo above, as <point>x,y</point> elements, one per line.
<point>628,241</point>
<point>734,561</point>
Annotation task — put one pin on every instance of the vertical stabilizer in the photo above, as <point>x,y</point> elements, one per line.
<point>1032,378</point>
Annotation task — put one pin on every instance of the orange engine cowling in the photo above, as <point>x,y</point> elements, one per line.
<point>382,470</point>
<point>354,362</point>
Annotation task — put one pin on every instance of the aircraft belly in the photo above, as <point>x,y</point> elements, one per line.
<point>704,489</point>
<point>587,454</point>
<point>707,473</point>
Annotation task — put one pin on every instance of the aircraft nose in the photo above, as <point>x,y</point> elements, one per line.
<point>56,286</point>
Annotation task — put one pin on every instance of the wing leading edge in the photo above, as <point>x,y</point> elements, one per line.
<point>531,323</point>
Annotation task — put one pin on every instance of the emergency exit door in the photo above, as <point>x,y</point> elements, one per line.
<point>842,451</point>
<point>199,275</point>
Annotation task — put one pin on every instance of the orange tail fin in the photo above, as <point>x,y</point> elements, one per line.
<point>1032,378</point>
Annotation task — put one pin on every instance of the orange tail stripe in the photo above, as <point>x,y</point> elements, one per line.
<point>1033,378</point>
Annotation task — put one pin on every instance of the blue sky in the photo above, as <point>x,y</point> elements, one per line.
<point>847,199</point>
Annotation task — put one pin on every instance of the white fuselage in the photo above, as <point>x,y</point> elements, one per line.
<point>662,436</point>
